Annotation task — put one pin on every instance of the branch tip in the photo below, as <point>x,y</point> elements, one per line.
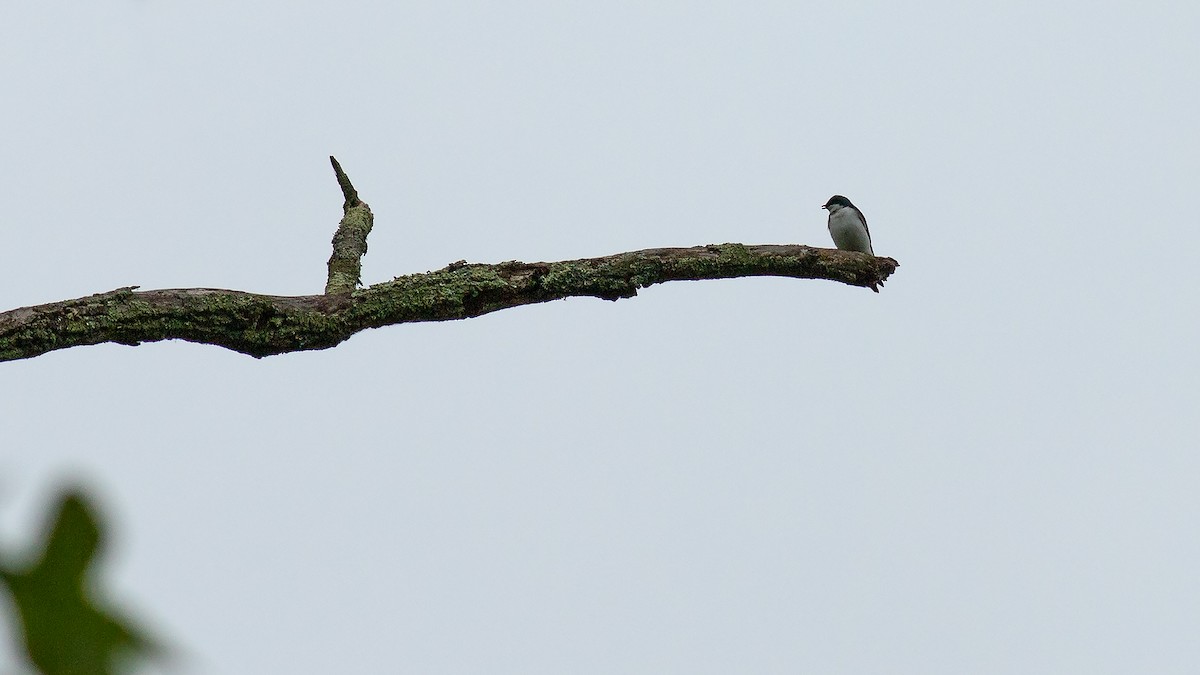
<point>348,191</point>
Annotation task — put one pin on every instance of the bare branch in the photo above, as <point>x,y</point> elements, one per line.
<point>263,325</point>
<point>350,240</point>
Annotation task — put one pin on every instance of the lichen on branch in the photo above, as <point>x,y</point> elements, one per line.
<point>350,240</point>
<point>263,325</point>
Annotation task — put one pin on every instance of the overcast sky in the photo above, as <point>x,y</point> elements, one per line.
<point>989,467</point>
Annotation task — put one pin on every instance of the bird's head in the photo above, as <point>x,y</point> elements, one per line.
<point>835,203</point>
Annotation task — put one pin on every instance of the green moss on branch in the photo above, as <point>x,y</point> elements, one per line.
<point>262,325</point>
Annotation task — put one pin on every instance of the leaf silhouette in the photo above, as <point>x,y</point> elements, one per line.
<point>65,630</point>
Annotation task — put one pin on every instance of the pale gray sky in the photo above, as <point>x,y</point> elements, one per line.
<point>990,467</point>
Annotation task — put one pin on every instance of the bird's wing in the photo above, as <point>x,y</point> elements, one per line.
<point>864,221</point>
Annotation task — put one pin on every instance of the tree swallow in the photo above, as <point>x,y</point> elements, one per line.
<point>848,226</point>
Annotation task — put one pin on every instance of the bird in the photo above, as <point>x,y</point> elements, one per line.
<point>847,225</point>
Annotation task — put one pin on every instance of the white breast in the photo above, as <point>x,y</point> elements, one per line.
<point>848,231</point>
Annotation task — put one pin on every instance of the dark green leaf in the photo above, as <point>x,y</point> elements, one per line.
<point>64,628</point>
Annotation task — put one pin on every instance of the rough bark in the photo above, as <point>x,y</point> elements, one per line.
<point>350,240</point>
<point>263,325</point>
